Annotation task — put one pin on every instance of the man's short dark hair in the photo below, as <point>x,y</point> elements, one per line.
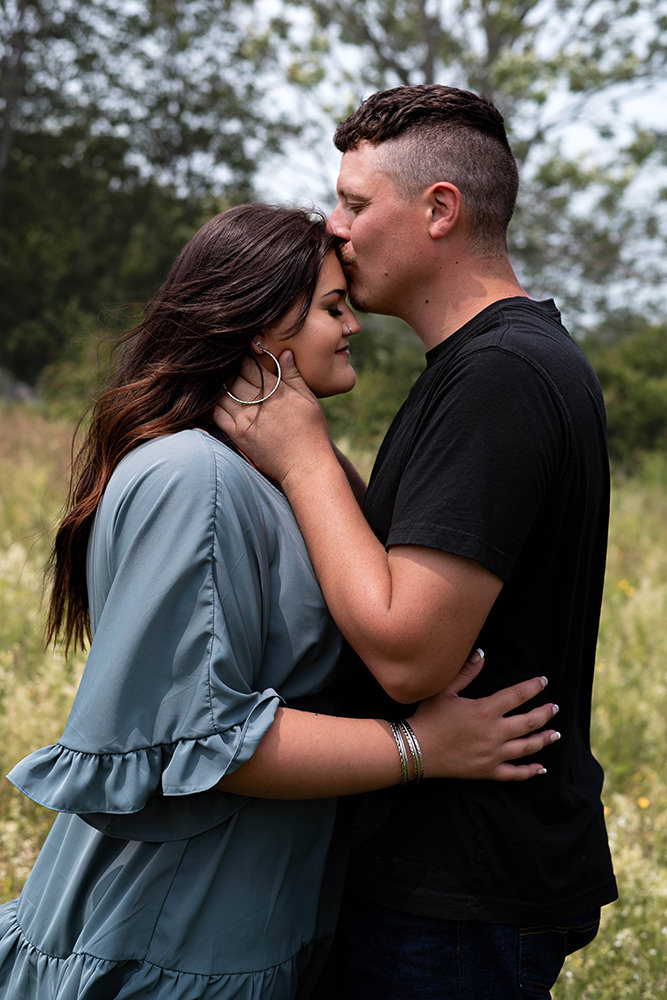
<point>433,133</point>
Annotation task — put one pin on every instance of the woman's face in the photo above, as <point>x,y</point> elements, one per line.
<point>320,347</point>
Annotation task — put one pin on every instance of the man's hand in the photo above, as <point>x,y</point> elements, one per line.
<point>286,431</point>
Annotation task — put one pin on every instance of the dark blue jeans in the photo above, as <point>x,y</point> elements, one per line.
<point>383,954</point>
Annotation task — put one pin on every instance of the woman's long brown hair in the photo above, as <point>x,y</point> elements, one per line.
<point>239,275</point>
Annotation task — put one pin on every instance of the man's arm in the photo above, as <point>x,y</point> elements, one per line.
<point>412,614</point>
<point>357,484</point>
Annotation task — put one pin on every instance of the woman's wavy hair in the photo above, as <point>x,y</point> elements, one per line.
<point>240,274</point>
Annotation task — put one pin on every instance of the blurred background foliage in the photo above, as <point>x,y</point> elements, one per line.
<point>126,123</point>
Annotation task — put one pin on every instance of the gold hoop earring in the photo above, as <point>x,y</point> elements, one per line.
<point>255,402</point>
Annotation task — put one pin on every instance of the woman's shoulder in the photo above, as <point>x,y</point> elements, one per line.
<point>191,459</point>
<point>190,477</point>
<point>190,448</point>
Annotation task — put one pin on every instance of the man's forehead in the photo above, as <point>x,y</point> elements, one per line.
<point>359,173</point>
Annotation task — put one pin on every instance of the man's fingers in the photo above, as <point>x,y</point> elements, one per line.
<point>250,385</point>
<point>292,376</point>
<point>249,369</point>
<point>250,377</point>
<point>290,370</point>
<point>223,419</point>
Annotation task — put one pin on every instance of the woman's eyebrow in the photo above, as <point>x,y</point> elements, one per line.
<point>335,291</point>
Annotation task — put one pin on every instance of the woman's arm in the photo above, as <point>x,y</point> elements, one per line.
<point>305,755</point>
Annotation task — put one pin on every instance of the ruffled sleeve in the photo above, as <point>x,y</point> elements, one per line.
<point>173,694</point>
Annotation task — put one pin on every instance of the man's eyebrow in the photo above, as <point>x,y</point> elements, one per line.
<point>344,193</point>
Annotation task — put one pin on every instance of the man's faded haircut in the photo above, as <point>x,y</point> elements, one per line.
<point>433,133</point>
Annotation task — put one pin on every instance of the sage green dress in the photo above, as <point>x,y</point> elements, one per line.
<point>207,616</point>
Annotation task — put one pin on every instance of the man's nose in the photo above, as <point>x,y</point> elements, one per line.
<point>337,224</point>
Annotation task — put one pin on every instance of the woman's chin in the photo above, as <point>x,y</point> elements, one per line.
<point>340,387</point>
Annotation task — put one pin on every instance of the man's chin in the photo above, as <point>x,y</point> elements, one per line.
<point>357,300</point>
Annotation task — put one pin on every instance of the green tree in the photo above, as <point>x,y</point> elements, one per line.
<point>123,126</point>
<point>633,375</point>
<point>590,225</point>
<point>78,245</point>
<point>185,83</point>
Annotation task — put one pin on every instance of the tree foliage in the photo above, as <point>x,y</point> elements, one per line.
<point>592,218</point>
<point>633,375</point>
<point>123,125</point>
<point>82,236</point>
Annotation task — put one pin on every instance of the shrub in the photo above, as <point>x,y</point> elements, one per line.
<point>633,375</point>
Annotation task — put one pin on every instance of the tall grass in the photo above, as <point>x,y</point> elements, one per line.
<point>628,959</point>
<point>36,686</point>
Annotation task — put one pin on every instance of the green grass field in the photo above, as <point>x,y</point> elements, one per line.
<point>628,960</point>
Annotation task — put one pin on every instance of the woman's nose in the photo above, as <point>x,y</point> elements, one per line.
<point>352,323</point>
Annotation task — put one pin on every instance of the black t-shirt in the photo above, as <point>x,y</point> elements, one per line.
<point>499,455</point>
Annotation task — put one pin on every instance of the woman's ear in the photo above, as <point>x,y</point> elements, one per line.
<point>256,346</point>
<point>445,209</point>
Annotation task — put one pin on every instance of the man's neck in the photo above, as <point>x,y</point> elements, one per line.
<point>456,297</point>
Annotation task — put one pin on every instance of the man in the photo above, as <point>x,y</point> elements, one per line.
<point>488,510</point>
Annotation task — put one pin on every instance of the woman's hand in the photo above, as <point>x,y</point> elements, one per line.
<point>473,738</point>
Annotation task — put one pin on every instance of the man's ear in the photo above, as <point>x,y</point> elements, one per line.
<point>444,207</point>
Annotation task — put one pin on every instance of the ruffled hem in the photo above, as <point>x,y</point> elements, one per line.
<point>163,793</point>
<point>75,781</point>
<point>30,974</point>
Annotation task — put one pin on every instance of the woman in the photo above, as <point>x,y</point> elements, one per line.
<point>195,853</point>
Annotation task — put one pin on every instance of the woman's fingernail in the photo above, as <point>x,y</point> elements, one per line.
<point>478,655</point>
<point>544,681</point>
<point>554,709</point>
<point>542,770</point>
<point>554,736</point>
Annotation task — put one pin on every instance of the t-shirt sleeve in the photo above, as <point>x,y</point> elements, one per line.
<point>171,699</point>
<point>487,447</point>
